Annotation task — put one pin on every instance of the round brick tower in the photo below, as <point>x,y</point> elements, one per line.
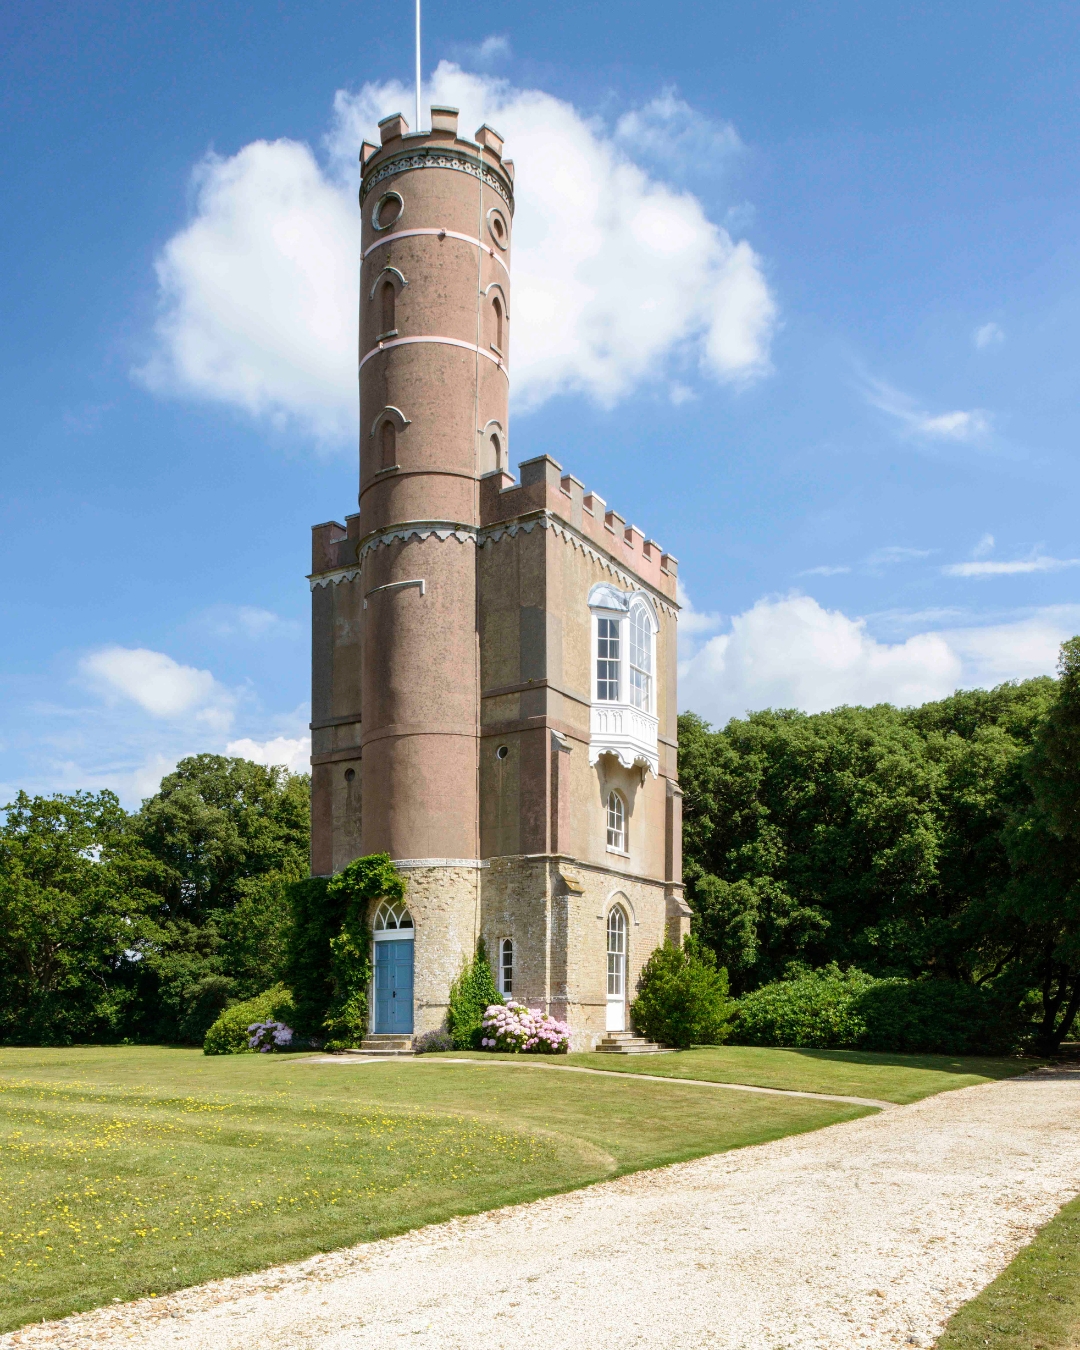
<point>434,315</point>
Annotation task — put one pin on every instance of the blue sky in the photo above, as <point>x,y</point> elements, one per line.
<point>796,287</point>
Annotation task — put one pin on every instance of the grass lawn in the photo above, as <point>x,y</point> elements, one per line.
<point>132,1171</point>
<point>1034,1304</point>
<point>848,1073</point>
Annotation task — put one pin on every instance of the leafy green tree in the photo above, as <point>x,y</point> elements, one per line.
<point>683,998</point>
<point>1043,893</point>
<point>230,836</point>
<point>73,902</point>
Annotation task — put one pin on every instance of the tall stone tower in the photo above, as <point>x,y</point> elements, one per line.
<point>460,719</point>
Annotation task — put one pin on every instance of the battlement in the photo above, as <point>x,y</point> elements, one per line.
<point>334,545</point>
<point>545,487</point>
<point>396,138</point>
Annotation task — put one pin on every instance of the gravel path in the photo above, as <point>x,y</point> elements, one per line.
<point>869,1233</point>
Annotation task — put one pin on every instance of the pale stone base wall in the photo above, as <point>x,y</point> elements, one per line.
<point>555,910</point>
<point>444,901</point>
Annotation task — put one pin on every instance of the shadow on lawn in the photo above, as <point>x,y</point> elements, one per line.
<point>986,1066</point>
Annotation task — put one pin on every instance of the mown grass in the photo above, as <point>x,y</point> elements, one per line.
<point>134,1171</point>
<point>847,1073</point>
<point>1034,1304</point>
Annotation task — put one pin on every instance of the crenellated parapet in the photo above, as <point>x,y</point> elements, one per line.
<point>545,487</point>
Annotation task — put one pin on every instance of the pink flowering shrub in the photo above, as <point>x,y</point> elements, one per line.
<point>512,1026</point>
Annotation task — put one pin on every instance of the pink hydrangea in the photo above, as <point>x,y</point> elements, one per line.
<point>516,1028</point>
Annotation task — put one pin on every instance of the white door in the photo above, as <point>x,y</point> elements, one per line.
<point>616,970</point>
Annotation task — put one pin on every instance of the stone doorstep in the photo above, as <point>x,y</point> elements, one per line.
<point>384,1046</point>
<point>623,1043</point>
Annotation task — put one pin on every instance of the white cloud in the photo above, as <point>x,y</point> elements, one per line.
<point>159,685</point>
<point>247,621</point>
<point>292,752</point>
<point>896,553</point>
<point>1015,567</point>
<point>988,335</point>
<point>792,653</point>
<point>669,132</point>
<point>983,547</point>
<point>969,425</point>
<point>259,291</point>
<point>824,571</point>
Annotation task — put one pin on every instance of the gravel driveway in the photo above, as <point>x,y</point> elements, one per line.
<point>864,1234</point>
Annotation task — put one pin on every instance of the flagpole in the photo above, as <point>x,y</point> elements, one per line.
<point>417,65</point>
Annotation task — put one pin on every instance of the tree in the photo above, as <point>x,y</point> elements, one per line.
<point>230,836</point>
<point>1044,846</point>
<point>682,997</point>
<point>73,902</point>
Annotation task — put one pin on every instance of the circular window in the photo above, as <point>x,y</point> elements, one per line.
<point>502,751</point>
<point>387,210</point>
<point>497,227</point>
<point>350,774</point>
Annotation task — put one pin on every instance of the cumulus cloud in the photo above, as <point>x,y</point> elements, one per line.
<point>259,291</point>
<point>791,652</point>
<point>159,685</point>
<point>987,335</point>
<point>961,425</point>
<point>293,753</point>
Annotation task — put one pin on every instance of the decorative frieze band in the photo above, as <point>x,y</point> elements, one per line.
<point>437,159</point>
<point>491,534</point>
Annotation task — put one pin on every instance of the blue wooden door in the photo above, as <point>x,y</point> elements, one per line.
<point>394,988</point>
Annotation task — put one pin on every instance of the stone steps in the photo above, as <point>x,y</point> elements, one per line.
<point>384,1046</point>
<point>625,1043</point>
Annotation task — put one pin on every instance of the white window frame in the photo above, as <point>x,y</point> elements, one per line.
<point>506,947</point>
<point>626,726</point>
<point>392,923</point>
<point>617,926</point>
<point>616,834</point>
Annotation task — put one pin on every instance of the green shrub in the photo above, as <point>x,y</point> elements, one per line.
<point>229,1034</point>
<point>819,1009</point>
<point>328,949</point>
<point>470,995</point>
<point>683,998</point>
<point>942,1017</point>
<point>356,887</point>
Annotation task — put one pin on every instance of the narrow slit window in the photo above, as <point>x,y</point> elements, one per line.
<point>506,966</point>
<point>616,822</point>
<point>607,660</point>
<point>640,659</point>
<point>388,298</point>
<point>497,314</point>
<point>388,444</point>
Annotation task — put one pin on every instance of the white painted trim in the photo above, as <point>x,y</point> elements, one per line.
<point>407,863</point>
<point>394,935</point>
<point>445,341</point>
<point>442,234</point>
<point>396,586</point>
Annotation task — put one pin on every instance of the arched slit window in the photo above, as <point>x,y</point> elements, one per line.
<point>506,966</point>
<point>392,920</point>
<point>387,305</point>
<point>616,822</point>
<point>388,444</point>
<point>497,323</point>
<point>616,953</point>
<point>641,658</point>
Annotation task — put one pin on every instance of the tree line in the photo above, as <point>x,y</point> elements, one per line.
<point>937,844</point>
<point>933,843</point>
